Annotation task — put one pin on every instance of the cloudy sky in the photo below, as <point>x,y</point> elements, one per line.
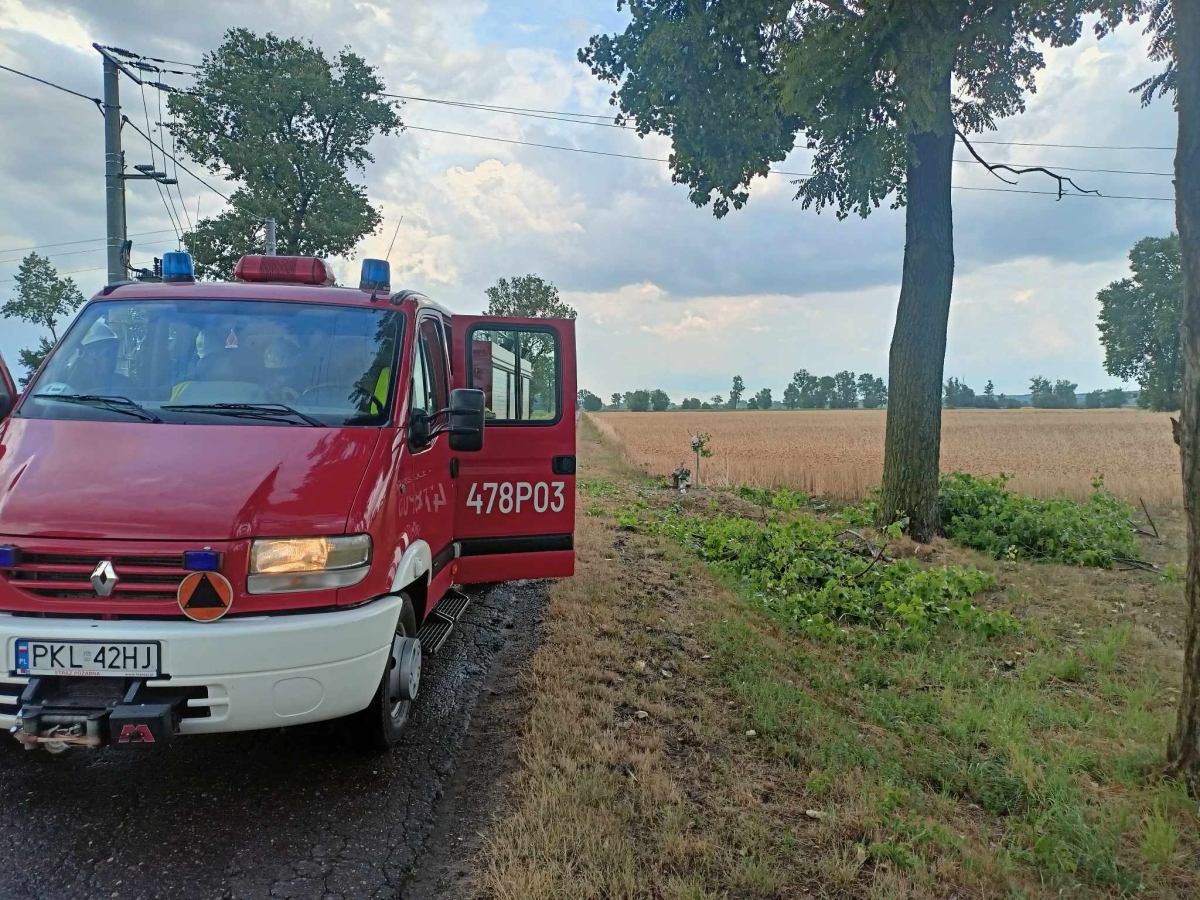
<point>667,296</point>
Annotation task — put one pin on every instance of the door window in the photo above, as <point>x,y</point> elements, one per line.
<point>436,362</point>
<point>519,371</point>
<point>422,395</point>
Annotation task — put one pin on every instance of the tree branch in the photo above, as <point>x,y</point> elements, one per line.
<point>996,168</point>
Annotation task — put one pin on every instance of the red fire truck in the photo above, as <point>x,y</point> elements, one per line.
<point>232,506</point>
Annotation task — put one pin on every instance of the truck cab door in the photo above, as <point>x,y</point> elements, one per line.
<point>8,391</point>
<point>515,511</point>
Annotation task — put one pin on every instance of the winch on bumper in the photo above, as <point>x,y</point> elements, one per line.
<point>58,713</point>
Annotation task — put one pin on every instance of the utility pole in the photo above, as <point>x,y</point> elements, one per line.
<point>269,235</point>
<point>114,163</point>
<point>114,184</point>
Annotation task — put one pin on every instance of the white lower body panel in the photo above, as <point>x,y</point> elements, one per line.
<point>260,672</point>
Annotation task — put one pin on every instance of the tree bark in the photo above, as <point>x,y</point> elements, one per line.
<point>1183,752</point>
<point>918,354</point>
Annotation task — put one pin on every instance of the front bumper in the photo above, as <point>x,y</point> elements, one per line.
<point>258,672</point>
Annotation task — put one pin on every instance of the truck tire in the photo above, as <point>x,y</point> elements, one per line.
<point>379,726</point>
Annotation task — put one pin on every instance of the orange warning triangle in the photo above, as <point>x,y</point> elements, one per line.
<point>205,596</point>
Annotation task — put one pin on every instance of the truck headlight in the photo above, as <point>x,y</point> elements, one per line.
<point>284,565</point>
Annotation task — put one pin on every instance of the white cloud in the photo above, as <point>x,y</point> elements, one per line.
<point>499,197</point>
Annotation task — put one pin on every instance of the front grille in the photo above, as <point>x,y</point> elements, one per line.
<point>69,576</point>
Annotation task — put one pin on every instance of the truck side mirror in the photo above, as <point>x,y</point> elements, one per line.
<point>420,429</point>
<point>465,423</point>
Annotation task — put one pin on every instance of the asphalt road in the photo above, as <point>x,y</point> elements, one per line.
<point>292,813</point>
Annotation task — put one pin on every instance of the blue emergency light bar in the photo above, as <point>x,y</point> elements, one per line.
<point>376,275</point>
<point>177,267</point>
<point>201,560</point>
<point>9,556</point>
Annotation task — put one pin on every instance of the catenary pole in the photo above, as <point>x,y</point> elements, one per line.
<point>114,185</point>
<point>269,235</point>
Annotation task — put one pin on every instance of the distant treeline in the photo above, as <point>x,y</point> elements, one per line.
<point>845,390</point>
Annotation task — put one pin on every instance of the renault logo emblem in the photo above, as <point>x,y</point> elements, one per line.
<point>104,578</point>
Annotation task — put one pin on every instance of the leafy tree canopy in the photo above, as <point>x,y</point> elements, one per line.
<point>41,298</point>
<point>732,83</point>
<point>589,401</point>
<point>288,141</point>
<point>1139,323</point>
<point>659,400</point>
<point>736,391</point>
<point>763,399</point>
<point>637,401</point>
<point>527,295</point>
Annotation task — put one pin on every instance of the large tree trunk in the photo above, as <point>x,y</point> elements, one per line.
<point>1183,753</point>
<point>918,355</point>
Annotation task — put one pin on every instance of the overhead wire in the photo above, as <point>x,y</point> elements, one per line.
<point>17,259</point>
<point>57,87</point>
<point>660,159</point>
<point>581,117</point>
<point>171,130</point>
<point>87,241</point>
<point>182,166</point>
<point>171,214</point>
<point>129,54</point>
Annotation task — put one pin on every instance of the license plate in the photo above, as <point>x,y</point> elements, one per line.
<point>119,659</point>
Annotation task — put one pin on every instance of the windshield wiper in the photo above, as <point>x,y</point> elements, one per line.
<point>107,401</point>
<point>276,411</point>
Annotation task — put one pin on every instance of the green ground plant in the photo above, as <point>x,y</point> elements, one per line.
<point>983,514</point>
<point>823,579</point>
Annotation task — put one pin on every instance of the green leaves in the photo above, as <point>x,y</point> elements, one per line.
<point>733,83</point>
<point>982,513</point>
<point>803,569</point>
<point>527,295</point>
<point>41,298</point>
<point>1139,323</point>
<point>288,139</point>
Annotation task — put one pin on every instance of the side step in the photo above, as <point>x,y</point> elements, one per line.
<point>441,621</point>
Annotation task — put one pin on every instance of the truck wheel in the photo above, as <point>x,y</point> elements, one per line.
<point>380,725</point>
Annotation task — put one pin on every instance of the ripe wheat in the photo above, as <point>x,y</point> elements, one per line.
<point>840,453</point>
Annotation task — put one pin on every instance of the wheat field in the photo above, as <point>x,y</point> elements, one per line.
<point>839,453</point>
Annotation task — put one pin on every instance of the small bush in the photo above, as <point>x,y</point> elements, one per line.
<point>782,499</point>
<point>982,513</point>
<point>596,487</point>
<point>800,568</point>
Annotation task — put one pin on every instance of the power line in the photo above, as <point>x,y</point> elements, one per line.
<point>181,165</point>
<point>17,259</point>
<point>171,213</point>
<point>57,87</point>
<point>962,187</point>
<point>171,131</point>
<point>1068,146</point>
<point>129,54</point>
<point>579,117</point>
<point>516,111</point>
<point>88,241</point>
<point>485,137</point>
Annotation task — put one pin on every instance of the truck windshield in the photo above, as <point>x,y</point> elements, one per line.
<point>229,362</point>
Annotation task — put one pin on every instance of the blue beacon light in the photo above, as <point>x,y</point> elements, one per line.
<point>177,267</point>
<point>201,560</point>
<point>376,276</point>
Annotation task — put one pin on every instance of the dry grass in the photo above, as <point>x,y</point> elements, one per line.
<point>910,759</point>
<point>840,453</point>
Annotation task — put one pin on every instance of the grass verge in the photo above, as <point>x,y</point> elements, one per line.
<point>689,738</point>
